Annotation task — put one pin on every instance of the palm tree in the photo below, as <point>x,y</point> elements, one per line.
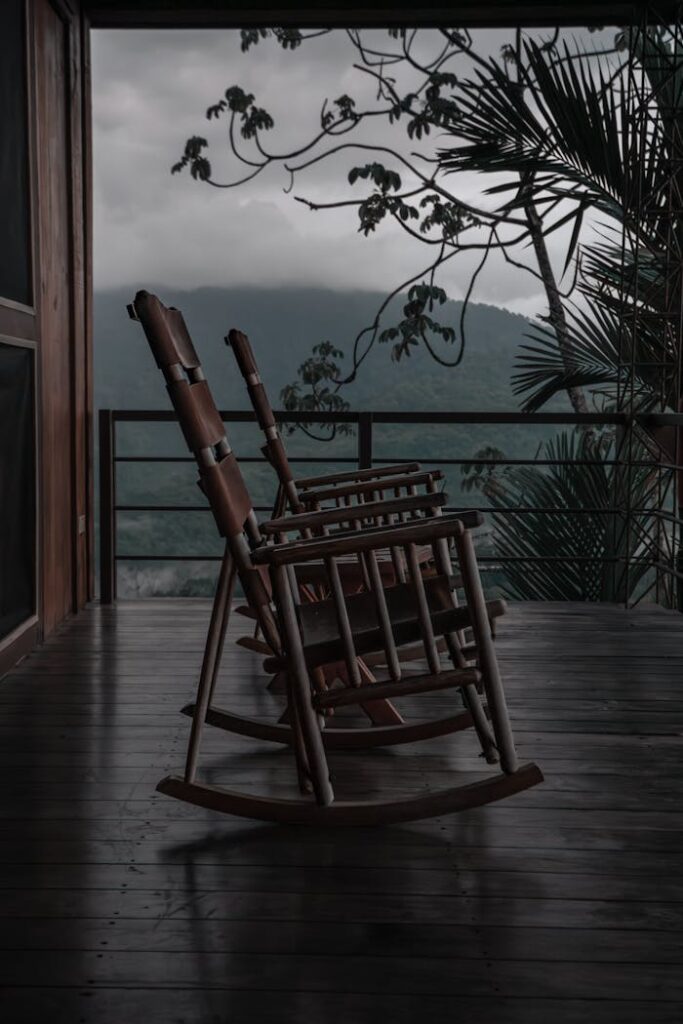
<point>578,133</point>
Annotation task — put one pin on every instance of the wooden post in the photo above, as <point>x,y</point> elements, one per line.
<point>365,440</point>
<point>107,443</point>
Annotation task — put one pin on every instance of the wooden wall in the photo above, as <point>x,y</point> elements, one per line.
<point>57,320</point>
<point>63,356</point>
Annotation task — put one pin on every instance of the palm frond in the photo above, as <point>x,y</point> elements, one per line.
<point>601,353</point>
<point>578,547</point>
<point>572,127</point>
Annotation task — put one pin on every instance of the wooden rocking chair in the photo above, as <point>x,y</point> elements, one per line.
<point>306,637</point>
<point>307,493</point>
<point>175,354</point>
<point>370,488</point>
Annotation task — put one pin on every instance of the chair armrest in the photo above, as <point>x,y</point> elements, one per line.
<point>368,486</point>
<point>423,532</point>
<point>357,474</point>
<point>354,513</point>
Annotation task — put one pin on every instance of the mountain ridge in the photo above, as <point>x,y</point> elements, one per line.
<point>283,325</point>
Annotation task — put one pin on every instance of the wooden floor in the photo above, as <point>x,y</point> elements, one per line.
<point>562,904</point>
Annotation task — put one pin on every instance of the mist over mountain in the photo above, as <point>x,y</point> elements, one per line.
<point>284,324</point>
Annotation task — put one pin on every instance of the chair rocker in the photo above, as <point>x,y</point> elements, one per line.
<point>304,638</point>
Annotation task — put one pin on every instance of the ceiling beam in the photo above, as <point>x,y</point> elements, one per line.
<point>330,13</point>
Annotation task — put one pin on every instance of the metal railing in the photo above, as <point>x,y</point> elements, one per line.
<point>663,556</point>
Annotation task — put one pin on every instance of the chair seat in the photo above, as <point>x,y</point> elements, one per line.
<point>320,628</point>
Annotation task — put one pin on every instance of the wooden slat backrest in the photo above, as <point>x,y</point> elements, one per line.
<point>274,448</point>
<point>220,477</point>
<point>402,557</point>
<point>199,418</point>
<point>219,474</point>
<point>241,347</point>
<point>166,331</point>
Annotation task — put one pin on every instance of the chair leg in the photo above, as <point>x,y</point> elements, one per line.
<point>225,621</point>
<point>472,702</point>
<point>301,755</point>
<point>212,653</point>
<point>488,663</point>
<point>481,724</point>
<point>300,689</point>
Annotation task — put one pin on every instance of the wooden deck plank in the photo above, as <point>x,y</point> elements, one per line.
<point>111,1005</point>
<point>564,903</point>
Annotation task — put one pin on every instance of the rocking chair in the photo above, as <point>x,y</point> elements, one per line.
<point>342,628</point>
<point>306,493</point>
<point>351,488</point>
<point>175,354</point>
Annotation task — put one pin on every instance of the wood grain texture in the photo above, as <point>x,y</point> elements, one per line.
<point>56,313</point>
<point>64,343</point>
<point>563,903</point>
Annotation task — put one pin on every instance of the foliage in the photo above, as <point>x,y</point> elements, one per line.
<point>417,96</point>
<point>571,134</point>
<point>578,551</point>
<point>416,326</point>
<point>580,135</point>
<point>315,373</point>
<point>487,473</point>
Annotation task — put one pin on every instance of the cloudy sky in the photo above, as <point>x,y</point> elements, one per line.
<point>151,90</point>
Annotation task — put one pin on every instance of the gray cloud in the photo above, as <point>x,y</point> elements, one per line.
<point>150,92</point>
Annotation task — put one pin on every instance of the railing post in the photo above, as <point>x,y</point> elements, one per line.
<point>364,440</point>
<point>107,501</point>
<point>619,534</point>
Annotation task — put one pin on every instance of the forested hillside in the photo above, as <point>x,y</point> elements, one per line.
<point>283,326</point>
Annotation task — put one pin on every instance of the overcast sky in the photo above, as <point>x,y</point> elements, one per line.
<point>150,93</point>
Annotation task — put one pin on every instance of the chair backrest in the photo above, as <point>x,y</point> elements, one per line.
<point>220,477</point>
<point>274,448</point>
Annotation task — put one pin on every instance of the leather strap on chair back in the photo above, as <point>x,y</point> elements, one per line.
<point>259,400</point>
<point>166,331</point>
<point>274,449</point>
<point>199,418</point>
<point>223,484</point>
<point>241,346</point>
<point>220,477</point>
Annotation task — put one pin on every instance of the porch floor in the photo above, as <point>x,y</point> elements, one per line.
<point>562,904</point>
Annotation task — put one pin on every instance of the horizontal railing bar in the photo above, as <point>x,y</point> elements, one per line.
<point>348,416</point>
<point>520,509</point>
<point>485,559</point>
<point>167,558</point>
<point>660,419</point>
<point>389,416</point>
<point>156,458</point>
<point>321,460</point>
<point>504,559</point>
<point>659,513</point>
<point>178,508</point>
<point>661,567</point>
<point>350,459</point>
<point>518,462</point>
<point>516,509</point>
<point>162,508</point>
